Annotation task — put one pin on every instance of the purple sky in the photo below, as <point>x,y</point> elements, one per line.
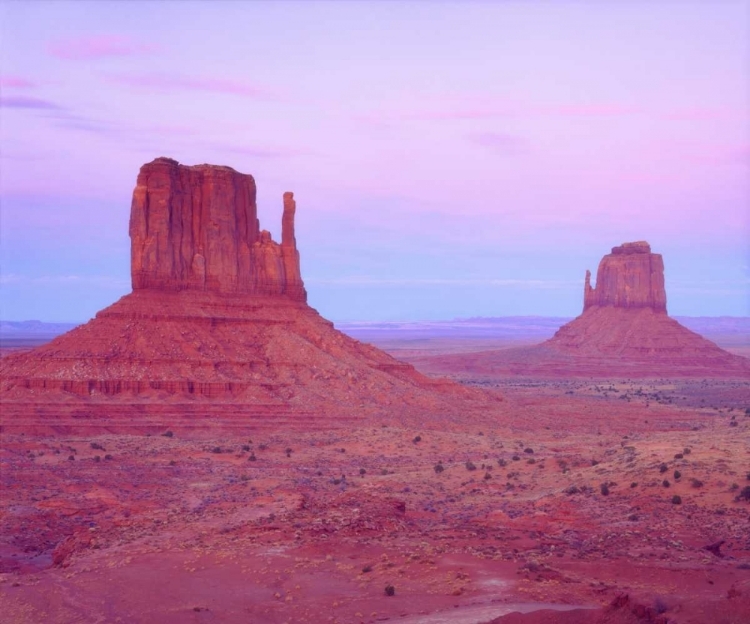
<point>447,158</point>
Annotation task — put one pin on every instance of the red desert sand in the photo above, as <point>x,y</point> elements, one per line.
<point>209,449</point>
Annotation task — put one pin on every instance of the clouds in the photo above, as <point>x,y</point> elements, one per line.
<point>15,82</point>
<point>409,282</point>
<point>499,142</point>
<point>168,82</point>
<point>28,102</point>
<point>93,48</point>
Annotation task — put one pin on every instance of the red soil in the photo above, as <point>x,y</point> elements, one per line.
<point>168,525</point>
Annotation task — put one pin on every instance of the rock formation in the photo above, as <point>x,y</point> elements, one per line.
<point>217,322</point>
<point>630,277</point>
<point>624,330</point>
<point>197,228</point>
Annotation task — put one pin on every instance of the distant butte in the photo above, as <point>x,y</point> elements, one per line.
<point>217,325</point>
<point>624,330</point>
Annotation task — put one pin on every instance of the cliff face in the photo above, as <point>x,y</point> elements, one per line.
<point>630,277</point>
<point>196,228</point>
<point>218,315</point>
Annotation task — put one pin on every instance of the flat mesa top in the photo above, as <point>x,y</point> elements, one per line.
<point>638,247</point>
<point>202,167</point>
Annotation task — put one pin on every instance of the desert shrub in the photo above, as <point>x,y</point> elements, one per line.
<point>439,468</point>
<point>678,456</point>
<point>487,476</point>
<point>515,458</point>
<point>167,434</point>
<point>252,457</point>
<point>108,457</point>
<point>470,466</point>
<point>745,493</point>
<point>594,462</point>
<point>732,423</point>
<point>531,461</point>
<point>663,468</point>
<point>71,458</point>
<point>97,447</point>
<point>572,489</point>
<point>676,500</point>
<point>366,569</point>
<point>633,517</point>
<point>262,447</point>
<point>390,590</point>
<point>734,487</point>
<point>677,475</point>
<point>686,451</point>
<point>362,472</point>
<point>172,462</point>
<point>665,483</point>
<point>246,447</point>
<point>660,606</point>
<point>530,451</point>
<point>417,439</point>
<point>696,483</point>
<point>634,484</point>
<point>502,463</point>
<point>748,476</point>
<point>97,458</point>
<point>604,488</point>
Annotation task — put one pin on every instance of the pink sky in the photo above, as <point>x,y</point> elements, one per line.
<point>438,144</point>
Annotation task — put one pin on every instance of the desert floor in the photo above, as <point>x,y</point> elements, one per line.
<point>567,495</point>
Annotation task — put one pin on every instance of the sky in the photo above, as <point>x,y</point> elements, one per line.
<point>448,159</point>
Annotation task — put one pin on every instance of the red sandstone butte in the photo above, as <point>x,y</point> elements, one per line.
<point>624,330</point>
<point>630,277</point>
<point>197,228</point>
<point>217,323</point>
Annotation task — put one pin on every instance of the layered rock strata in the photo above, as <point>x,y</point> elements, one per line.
<point>218,314</point>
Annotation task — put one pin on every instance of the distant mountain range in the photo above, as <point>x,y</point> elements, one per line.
<point>34,328</point>
<point>541,327</point>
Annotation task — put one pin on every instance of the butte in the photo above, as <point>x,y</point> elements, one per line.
<point>624,331</point>
<point>216,333</point>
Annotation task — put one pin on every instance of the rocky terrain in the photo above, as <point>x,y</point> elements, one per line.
<point>624,330</point>
<point>210,449</point>
<point>217,324</point>
<point>564,494</point>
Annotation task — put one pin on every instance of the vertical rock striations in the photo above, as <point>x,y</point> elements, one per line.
<point>217,324</point>
<point>196,228</point>
<point>630,277</point>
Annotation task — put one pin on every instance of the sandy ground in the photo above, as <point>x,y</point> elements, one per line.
<point>190,528</point>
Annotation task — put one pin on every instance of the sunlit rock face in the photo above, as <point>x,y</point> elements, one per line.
<point>197,228</point>
<point>629,277</point>
<point>218,318</point>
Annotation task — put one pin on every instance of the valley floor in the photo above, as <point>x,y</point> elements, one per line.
<point>566,495</point>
